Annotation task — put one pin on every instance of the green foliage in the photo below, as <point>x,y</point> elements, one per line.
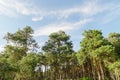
<point>104,52</point>
<point>27,66</point>
<point>22,39</point>
<point>115,67</point>
<point>97,59</point>
<point>86,78</point>
<point>114,39</point>
<point>81,57</point>
<point>15,60</point>
<point>6,69</point>
<point>96,53</point>
<point>58,43</point>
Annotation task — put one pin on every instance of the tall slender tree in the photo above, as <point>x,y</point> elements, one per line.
<point>94,52</point>
<point>59,47</point>
<point>18,45</point>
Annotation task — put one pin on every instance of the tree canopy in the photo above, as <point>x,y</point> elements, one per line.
<point>97,59</point>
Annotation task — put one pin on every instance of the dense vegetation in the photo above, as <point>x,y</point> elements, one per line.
<point>97,59</point>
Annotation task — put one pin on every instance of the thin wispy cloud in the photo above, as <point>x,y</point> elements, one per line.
<point>15,7</point>
<point>87,9</point>
<point>66,26</point>
<point>112,14</point>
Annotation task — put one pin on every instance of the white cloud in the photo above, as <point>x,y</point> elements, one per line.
<point>37,18</point>
<point>46,30</point>
<point>85,9</point>
<point>114,13</point>
<point>52,28</point>
<point>15,7</point>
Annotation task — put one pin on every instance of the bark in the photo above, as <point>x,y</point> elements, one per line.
<point>102,71</point>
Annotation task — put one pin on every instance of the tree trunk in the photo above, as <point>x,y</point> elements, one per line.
<point>102,71</point>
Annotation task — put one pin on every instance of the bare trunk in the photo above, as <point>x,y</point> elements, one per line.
<point>102,71</point>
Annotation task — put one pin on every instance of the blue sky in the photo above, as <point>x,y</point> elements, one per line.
<point>47,16</point>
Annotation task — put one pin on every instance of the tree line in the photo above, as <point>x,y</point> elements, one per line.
<point>97,59</point>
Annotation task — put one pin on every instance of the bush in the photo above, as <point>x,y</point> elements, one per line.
<point>86,78</point>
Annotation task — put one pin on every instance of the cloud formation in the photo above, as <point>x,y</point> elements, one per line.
<point>15,7</point>
<point>66,26</point>
<point>87,9</point>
